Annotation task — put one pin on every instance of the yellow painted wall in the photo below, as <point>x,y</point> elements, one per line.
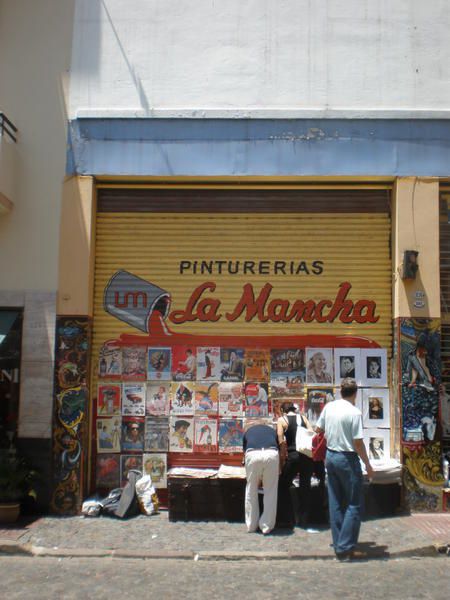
<point>415,219</point>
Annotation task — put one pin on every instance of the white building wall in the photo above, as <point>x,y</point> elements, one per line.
<point>382,58</point>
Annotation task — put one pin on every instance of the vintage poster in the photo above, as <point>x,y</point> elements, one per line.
<point>108,399</point>
<point>287,373</point>
<point>159,365</point>
<point>205,434</point>
<point>374,367</point>
<point>108,435</point>
<point>232,364</point>
<point>182,398</point>
<point>155,465</point>
<point>376,410</point>
<point>347,363</point>
<point>129,462</point>
<point>133,399</point>
<point>107,472</point>
<point>156,434</point>
<point>206,398</point>
<point>256,400</point>
<point>132,434</point>
<point>184,363</point>
<point>157,398</point>
<point>208,364</point>
<point>316,399</point>
<point>110,362</point>
<point>231,433</point>
<point>134,363</point>
<point>257,364</point>
<point>377,443</point>
<point>181,434</point>
<point>231,399</point>
<point>319,366</point>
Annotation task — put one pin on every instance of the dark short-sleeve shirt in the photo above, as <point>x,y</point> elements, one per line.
<point>258,437</point>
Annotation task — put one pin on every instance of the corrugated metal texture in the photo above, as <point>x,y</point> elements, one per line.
<point>445,286</point>
<point>353,247</point>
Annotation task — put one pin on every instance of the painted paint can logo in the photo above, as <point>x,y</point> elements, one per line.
<point>134,300</point>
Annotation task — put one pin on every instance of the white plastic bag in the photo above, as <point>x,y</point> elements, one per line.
<point>148,500</point>
<point>303,438</point>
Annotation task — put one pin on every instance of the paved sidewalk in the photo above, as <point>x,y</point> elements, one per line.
<point>157,537</point>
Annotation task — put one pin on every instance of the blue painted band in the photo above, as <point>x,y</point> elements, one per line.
<point>260,147</point>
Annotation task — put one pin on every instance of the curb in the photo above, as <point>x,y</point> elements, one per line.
<point>11,548</point>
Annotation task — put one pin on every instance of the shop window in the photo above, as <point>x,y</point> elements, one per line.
<point>10,351</point>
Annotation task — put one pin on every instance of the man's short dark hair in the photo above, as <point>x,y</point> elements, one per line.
<point>348,387</point>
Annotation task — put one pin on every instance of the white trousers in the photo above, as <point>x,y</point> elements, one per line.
<point>261,466</point>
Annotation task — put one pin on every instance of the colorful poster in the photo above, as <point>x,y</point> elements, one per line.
<point>157,398</point>
<point>231,399</point>
<point>129,462</point>
<point>184,363</point>
<point>110,362</point>
<point>347,363</point>
<point>205,434</point>
<point>232,364</point>
<point>315,401</point>
<point>156,434</point>
<point>182,398</point>
<point>287,372</point>
<point>206,398</point>
<point>208,364</point>
<point>374,367</point>
<point>231,433</point>
<point>181,434</point>
<point>159,364</point>
<point>155,465</point>
<point>133,399</point>
<point>376,411</point>
<point>257,364</point>
<point>132,434</point>
<point>319,366</point>
<point>108,399</point>
<point>107,472</point>
<point>256,400</point>
<point>134,363</point>
<point>108,435</point>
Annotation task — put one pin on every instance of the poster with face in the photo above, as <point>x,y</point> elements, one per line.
<point>287,373</point>
<point>206,398</point>
<point>159,366</point>
<point>376,409</point>
<point>377,443</point>
<point>257,364</point>
<point>181,434</point>
<point>129,462</point>
<point>184,363</point>
<point>156,434</point>
<point>319,366</point>
<point>256,399</point>
<point>133,399</point>
<point>108,434</point>
<point>231,399</point>
<point>347,363</point>
<point>134,363</point>
<point>108,399</point>
<point>374,367</point>
<point>132,434</point>
<point>205,434</point>
<point>157,398</point>
<point>110,362</point>
<point>231,434</point>
<point>315,401</point>
<point>182,398</point>
<point>107,472</point>
<point>208,364</point>
<point>155,465</point>
<point>232,364</point>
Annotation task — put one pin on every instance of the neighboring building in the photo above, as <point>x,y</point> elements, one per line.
<point>243,178</point>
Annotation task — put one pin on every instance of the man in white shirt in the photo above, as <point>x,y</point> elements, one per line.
<point>342,423</point>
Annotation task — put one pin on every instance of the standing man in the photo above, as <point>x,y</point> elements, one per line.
<point>342,423</point>
<point>261,466</point>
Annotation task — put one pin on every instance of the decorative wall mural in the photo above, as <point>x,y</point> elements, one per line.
<point>423,477</point>
<point>71,402</point>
